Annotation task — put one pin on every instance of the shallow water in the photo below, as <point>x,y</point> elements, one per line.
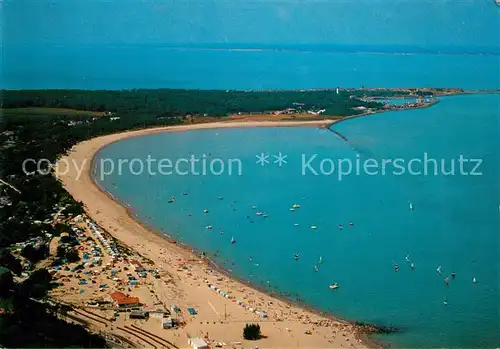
<point>455,222</point>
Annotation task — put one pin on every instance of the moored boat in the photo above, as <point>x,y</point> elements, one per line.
<point>334,286</point>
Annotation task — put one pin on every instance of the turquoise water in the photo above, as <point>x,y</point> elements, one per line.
<point>455,222</point>
<point>150,66</point>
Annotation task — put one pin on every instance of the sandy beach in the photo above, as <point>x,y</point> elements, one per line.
<point>219,319</point>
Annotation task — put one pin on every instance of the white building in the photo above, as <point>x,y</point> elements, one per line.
<point>197,343</point>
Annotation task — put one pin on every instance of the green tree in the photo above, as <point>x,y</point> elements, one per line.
<point>10,262</point>
<point>35,255</point>
<point>251,332</point>
<point>6,282</point>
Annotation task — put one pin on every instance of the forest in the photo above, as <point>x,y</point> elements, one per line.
<point>150,104</point>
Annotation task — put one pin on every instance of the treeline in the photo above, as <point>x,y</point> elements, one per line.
<point>28,321</point>
<point>171,102</point>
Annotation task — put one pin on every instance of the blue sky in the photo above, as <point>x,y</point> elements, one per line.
<point>363,22</point>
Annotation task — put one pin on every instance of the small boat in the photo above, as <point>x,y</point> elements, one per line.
<point>320,259</point>
<point>265,215</point>
<point>172,200</point>
<point>220,198</point>
<point>316,268</point>
<point>295,206</point>
<point>313,227</point>
<point>412,266</point>
<point>410,205</point>
<point>296,256</point>
<point>296,224</point>
<point>254,207</point>
<point>474,280</point>
<point>439,269</point>
<point>292,209</point>
<point>259,213</point>
<point>333,286</point>
<point>233,241</point>
<point>205,211</point>
<point>209,227</point>
<point>351,224</point>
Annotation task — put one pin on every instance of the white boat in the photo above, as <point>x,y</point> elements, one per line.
<point>474,280</point>
<point>295,206</point>
<point>316,268</point>
<point>292,209</point>
<point>209,227</point>
<point>333,286</point>
<point>205,211</point>
<point>411,206</point>
<point>313,227</point>
<point>259,213</point>
<point>233,241</point>
<point>320,259</point>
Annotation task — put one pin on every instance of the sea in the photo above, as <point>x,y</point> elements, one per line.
<point>409,188</point>
<point>354,225</point>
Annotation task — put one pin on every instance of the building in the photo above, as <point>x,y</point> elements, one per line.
<point>122,301</point>
<point>197,343</point>
<point>137,266</point>
<point>167,323</point>
<point>139,314</point>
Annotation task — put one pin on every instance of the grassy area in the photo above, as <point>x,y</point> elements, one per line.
<point>49,111</point>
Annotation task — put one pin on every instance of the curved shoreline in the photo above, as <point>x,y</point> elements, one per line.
<point>114,217</point>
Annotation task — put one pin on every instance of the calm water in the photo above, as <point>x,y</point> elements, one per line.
<point>455,222</point>
<point>143,66</point>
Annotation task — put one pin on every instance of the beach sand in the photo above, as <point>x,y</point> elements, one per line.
<point>220,319</point>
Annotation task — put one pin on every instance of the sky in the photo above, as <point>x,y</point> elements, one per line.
<point>353,22</point>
